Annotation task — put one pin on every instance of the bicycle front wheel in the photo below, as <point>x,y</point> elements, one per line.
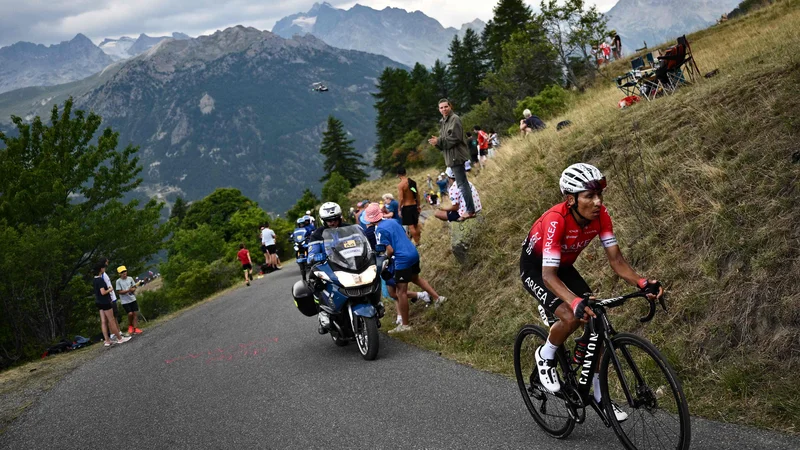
<point>549,411</point>
<point>640,381</point>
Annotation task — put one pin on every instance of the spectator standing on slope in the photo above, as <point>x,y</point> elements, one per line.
<point>494,142</point>
<point>410,206</point>
<point>474,152</point>
<point>451,142</point>
<point>114,308</point>
<point>483,145</point>
<point>441,183</point>
<point>126,288</point>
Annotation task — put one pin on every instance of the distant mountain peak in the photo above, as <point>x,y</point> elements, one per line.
<point>406,37</point>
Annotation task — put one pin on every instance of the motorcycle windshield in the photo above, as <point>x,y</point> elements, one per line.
<point>347,247</point>
<point>299,235</point>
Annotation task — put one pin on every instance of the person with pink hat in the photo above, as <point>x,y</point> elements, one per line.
<point>390,234</point>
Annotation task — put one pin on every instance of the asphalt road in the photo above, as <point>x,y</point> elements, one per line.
<point>247,370</point>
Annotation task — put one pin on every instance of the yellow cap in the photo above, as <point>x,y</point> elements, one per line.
<point>121,269</point>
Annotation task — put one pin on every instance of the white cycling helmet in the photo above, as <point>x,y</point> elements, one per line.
<point>330,211</point>
<point>581,177</point>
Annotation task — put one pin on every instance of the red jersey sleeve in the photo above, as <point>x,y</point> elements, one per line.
<point>553,229</point>
<point>607,237</point>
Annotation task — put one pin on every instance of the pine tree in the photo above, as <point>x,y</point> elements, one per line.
<point>340,156</point>
<point>179,210</point>
<point>510,16</point>
<point>467,69</point>
<point>421,99</point>
<point>391,104</point>
<point>440,80</point>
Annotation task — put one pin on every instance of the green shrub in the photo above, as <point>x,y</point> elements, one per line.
<point>154,303</point>
<point>552,101</point>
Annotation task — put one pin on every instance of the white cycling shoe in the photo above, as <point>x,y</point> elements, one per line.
<point>547,372</point>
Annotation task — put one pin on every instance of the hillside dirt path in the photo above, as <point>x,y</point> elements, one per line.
<point>248,370</point>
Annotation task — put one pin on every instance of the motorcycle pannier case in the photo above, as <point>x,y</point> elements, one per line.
<point>304,299</point>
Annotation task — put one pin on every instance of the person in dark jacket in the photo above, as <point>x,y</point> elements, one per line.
<point>451,142</point>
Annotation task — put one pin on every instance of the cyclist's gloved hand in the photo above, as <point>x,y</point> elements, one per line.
<point>581,309</point>
<point>651,287</point>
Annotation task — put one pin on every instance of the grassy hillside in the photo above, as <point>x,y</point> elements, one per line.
<point>703,189</point>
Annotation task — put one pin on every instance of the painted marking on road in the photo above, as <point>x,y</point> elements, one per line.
<point>231,353</point>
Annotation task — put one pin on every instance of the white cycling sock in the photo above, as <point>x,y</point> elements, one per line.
<point>549,350</point>
<point>596,387</point>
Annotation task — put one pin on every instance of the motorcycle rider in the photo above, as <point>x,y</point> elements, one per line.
<point>331,215</point>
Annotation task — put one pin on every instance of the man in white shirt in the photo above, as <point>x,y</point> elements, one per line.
<point>270,248</point>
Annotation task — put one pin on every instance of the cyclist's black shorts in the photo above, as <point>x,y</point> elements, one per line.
<point>531,275</point>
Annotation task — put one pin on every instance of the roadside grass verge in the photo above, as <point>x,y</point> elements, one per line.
<point>703,189</point>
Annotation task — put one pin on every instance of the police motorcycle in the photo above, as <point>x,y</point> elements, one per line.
<point>299,239</point>
<point>344,288</point>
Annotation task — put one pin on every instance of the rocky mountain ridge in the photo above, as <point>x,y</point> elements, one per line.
<point>661,21</point>
<point>127,47</point>
<point>406,37</point>
<point>26,64</point>
<point>234,109</point>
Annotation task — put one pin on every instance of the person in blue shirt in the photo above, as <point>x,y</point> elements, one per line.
<point>392,208</point>
<point>390,234</point>
<point>441,182</point>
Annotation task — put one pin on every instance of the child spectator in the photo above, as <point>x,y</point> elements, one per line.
<point>126,288</point>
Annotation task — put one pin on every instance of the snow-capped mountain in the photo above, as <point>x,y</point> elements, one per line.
<point>127,47</point>
<point>406,37</point>
<point>660,21</point>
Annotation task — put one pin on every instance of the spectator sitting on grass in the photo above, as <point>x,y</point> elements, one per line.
<point>530,123</point>
<point>458,207</point>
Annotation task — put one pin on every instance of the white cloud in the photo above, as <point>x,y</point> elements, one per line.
<point>52,21</point>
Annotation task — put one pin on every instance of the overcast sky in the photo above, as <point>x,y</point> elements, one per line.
<point>53,21</point>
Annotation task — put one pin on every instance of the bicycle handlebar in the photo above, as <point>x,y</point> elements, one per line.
<point>618,301</point>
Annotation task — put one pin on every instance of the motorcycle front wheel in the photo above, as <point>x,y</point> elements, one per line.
<point>367,337</point>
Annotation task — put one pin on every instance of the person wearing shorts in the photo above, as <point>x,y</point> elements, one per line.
<point>126,287</point>
<point>391,287</point>
<point>247,263</point>
<point>406,262</point>
<point>547,270</point>
<point>102,300</point>
<point>268,245</point>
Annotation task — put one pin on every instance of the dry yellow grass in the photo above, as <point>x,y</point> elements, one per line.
<point>703,191</point>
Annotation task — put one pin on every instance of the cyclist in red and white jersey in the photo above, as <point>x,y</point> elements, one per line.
<point>548,255</point>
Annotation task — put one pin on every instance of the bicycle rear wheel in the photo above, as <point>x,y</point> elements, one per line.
<point>549,411</point>
<point>645,386</point>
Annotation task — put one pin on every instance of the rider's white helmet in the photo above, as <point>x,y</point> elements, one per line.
<point>330,211</point>
<point>581,177</point>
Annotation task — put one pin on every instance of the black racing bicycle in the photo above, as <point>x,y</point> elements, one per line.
<point>634,376</point>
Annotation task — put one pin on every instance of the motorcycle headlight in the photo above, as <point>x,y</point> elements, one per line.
<point>321,275</point>
<point>296,248</point>
<point>357,279</point>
